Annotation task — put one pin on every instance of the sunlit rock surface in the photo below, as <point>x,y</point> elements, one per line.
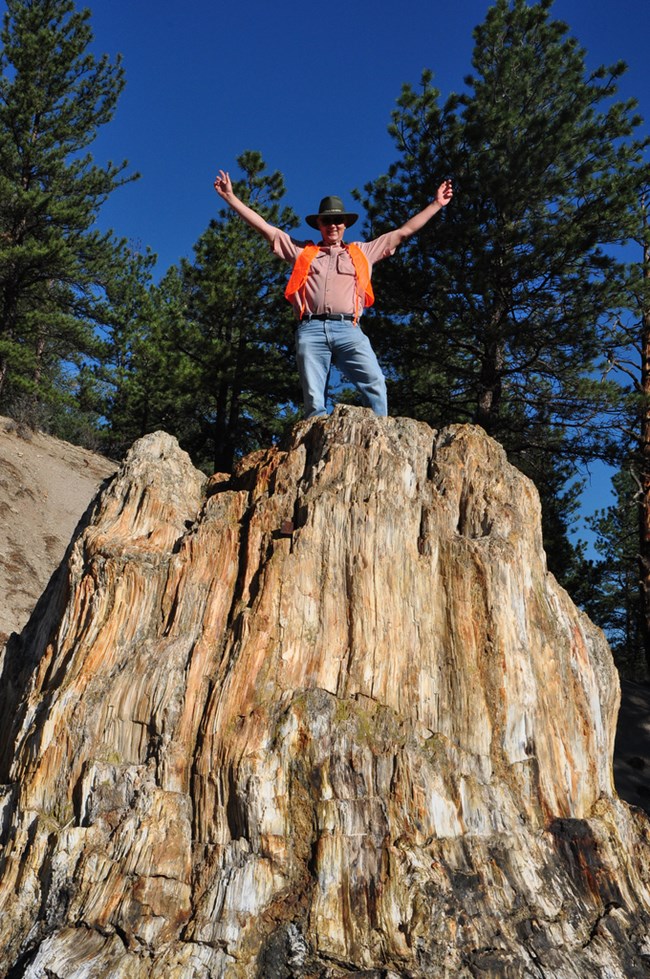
<point>327,717</point>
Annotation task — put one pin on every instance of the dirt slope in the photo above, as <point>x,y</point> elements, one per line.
<point>45,487</point>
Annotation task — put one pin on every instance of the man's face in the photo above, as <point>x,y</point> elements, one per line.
<point>331,231</point>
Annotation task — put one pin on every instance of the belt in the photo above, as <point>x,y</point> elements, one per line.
<point>326,316</point>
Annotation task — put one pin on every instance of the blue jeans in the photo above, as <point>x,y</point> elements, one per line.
<point>323,344</point>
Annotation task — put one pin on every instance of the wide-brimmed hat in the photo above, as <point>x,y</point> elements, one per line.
<point>332,208</point>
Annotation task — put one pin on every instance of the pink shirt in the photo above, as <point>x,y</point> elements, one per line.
<point>330,286</point>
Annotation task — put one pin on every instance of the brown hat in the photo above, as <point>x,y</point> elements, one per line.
<point>332,208</point>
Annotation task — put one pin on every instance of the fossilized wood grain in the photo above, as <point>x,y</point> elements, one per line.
<point>379,743</point>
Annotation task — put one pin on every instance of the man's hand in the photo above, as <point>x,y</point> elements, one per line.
<point>223,186</point>
<point>445,193</point>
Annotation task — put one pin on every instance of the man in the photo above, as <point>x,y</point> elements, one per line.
<point>329,288</point>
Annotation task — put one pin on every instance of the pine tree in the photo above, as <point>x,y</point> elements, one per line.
<point>614,601</point>
<point>494,313</point>
<point>629,358</point>
<point>238,335</point>
<point>151,380</point>
<point>208,353</point>
<point>54,263</point>
<point>129,372</point>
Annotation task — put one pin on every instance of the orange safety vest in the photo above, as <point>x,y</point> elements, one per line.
<point>296,283</point>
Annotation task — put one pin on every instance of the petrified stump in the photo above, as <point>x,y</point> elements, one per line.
<point>327,717</point>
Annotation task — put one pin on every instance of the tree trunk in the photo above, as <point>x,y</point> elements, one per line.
<point>37,374</point>
<point>7,332</point>
<point>3,373</point>
<point>644,509</point>
<point>378,744</point>
<point>490,384</point>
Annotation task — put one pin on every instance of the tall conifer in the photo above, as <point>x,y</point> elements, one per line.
<point>493,314</point>
<point>208,353</point>
<point>629,360</point>
<point>239,331</point>
<point>54,263</point>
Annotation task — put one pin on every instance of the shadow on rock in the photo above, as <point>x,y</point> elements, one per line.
<point>632,749</point>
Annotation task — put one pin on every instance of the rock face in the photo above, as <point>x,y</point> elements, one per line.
<point>327,717</point>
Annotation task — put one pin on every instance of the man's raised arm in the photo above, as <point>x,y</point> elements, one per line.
<point>223,187</point>
<point>443,196</point>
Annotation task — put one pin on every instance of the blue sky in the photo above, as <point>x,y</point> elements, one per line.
<point>311,86</point>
